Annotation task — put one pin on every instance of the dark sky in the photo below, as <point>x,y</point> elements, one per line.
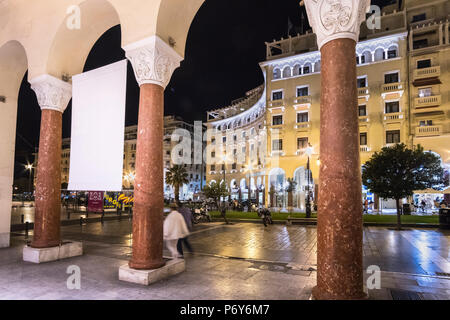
<point>225,43</point>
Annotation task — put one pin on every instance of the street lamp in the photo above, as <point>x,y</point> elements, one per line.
<point>30,168</point>
<point>309,151</point>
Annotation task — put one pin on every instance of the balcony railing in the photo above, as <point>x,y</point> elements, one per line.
<point>393,116</point>
<point>363,91</point>
<point>428,131</point>
<point>432,101</point>
<point>302,100</point>
<point>363,119</point>
<point>302,125</point>
<point>276,103</point>
<point>364,149</point>
<point>392,87</point>
<point>431,72</point>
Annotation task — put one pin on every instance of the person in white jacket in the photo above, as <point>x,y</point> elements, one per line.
<point>174,229</point>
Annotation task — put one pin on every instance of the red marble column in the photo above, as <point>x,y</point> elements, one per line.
<point>48,183</point>
<point>149,183</point>
<point>339,227</point>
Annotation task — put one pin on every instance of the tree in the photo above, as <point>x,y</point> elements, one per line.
<point>176,177</point>
<point>216,191</point>
<point>396,172</point>
<point>291,187</point>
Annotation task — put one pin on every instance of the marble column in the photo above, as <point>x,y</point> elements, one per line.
<point>339,223</point>
<point>153,62</point>
<point>53,96</point>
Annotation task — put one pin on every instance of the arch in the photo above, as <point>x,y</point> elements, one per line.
<point>307,68</point>
<point>317,66</point>
<point>277,178</point>
<point>233,184</point>
<point>13,66</point>
<point>276,74</point>
<point>70,48</point>
<point>300,176</point>
<point>287,73</point>
<point>393,48</point>
<point>366,57</point>
<point>243,184</point>
<point>379,54</point>
<point>297,70</point>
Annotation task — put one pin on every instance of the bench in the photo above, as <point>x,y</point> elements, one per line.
<point>308,221</point>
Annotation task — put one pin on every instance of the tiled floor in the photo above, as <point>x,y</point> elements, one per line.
<point>240,261</point>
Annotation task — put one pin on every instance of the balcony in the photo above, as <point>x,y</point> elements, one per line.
<point>302,100</point>
<point>396,116</point>
<point>431,101</point>
<point>425,73</point>
<point>364,149</point>
<point>391,89</point>
<point>363,119</point>
<point>362,92</point>
<point>276,103</point>
<point>302,126</point>
<point>428,131</point>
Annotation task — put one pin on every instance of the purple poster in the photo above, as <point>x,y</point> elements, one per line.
<point>95,203</point>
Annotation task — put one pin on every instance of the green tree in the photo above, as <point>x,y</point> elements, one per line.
<point>396,172</point>
<point>176,177</point>
<point>216,191</point>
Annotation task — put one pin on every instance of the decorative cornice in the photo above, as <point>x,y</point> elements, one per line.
<point>336,19</point>
<point>51,93</point>
<point>153,60</point>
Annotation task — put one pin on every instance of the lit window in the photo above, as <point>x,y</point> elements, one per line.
<point>277,120</point>
<point>393,136</point>
<point>302,117</point>
<point>277,95</point>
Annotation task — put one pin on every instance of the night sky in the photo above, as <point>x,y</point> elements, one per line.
<point>225,44</point>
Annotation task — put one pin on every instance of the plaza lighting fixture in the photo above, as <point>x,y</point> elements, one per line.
<point>309,150</point>
<point>30,168</point>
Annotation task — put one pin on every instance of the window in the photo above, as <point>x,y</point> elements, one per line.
<point>392,54</point>
<point>362,111</point>
<point>287,72</point>
<point>243,150</point>
<point>276,74</point>
<point>224,139</point>
<point>234,151</point>
<point>391,78</point>
<point>277,95</point>
<point>363,59</point>
<point>213,154</point>
<point>303,92</point>
<point>419,17</point>
<point>277,120</point>
<point>213,140</point>
<point>277,145</point>
<point>306,69</point>
<point>363,139</point>
<point>235,138</point>
<point>233,166</point>
<point>243,134</point>
<point>213,167</point>
<point>302,143</point>
<point>421,43</point>
<point>392,107</point>
<point>425,92</point>
<point>422,64</point>
<point>362,82</point>
<point>223,167</point>
<point>425,123</point>
<point>393,136</point>
<point>302,117</point>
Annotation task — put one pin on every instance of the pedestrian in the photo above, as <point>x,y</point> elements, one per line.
<point>366,206</point>
<point>174,229</point>
<point>187,215</point>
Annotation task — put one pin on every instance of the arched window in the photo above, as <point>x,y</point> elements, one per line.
<point>317,66</point>
<point>297,70</point>
<point>379,54</point>
<point>307,68</point>
<point>392,52</point>
<point>276,73</point>
<point>287,72</point>
<point>366,57</point>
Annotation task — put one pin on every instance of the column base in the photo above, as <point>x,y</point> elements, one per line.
<point>4,240</point>
<point>147,277</point>
<point>319,295</point>
<point>67,249</point>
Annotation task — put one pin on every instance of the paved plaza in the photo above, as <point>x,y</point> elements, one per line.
<point>239,261</point>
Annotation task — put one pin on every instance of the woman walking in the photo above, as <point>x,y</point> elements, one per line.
<point>174,229</point>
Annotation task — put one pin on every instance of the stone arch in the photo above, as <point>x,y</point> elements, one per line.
<point>317,66</point>
<point>13,66</point>
<point>276,73</point>
<point>307,68</point>
<point>287,72</point>
<point>297,70</point>
<point>393,47</point>
<point>277,178</point>
<point>367,57</point>
<point>70,48</point>
<point>379,54</point>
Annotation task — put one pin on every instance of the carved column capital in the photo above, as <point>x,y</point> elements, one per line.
<point>52,93</point>
<point>336,19</point>
<point>153,61</point>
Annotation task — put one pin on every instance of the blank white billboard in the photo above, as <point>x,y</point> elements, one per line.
<point>98,125</point>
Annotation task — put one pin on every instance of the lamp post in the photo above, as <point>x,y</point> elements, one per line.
<point>309,151</point>
<point>30,168</point>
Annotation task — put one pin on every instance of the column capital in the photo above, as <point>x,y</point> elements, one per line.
<point>336,19</point>
<point>52,93</point>
<point>153,60</point>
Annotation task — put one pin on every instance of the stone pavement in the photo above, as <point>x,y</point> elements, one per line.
<point>240,261</point>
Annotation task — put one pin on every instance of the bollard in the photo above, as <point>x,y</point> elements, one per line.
<point>81,221</point>
<point>27,227</point>
<point>22,218</point>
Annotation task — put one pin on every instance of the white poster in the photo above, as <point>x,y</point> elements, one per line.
<point>98,124</point>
